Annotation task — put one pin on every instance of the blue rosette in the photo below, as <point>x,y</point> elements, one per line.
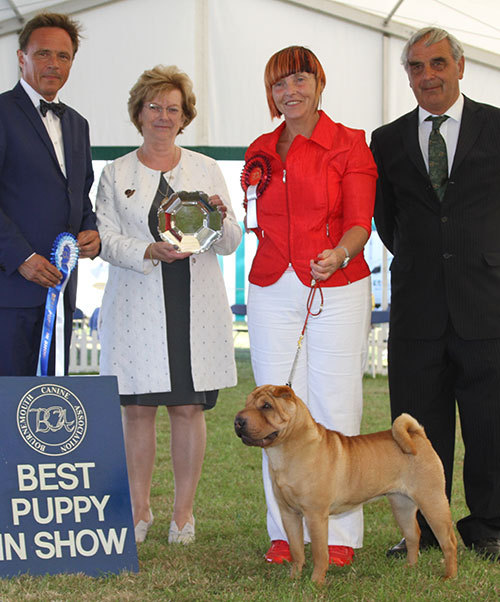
<point>64,256</point>
<point>65,252</point>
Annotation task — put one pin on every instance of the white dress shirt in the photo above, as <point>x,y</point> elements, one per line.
<point>449,130</point>
<point>51,122</point>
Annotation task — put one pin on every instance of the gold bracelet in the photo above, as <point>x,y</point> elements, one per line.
<point>155,262</point>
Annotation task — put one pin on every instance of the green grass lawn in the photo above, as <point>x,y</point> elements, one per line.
<point>226,562</point>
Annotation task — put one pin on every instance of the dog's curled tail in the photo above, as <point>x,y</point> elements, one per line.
<point>403,429</point>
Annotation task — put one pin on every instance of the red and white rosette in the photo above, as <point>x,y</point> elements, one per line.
<point>255,178</point>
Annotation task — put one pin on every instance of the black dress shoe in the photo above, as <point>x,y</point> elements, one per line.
<point>400,551</point>
<point>487,548</point>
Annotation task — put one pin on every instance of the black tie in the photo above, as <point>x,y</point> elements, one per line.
<point>57,108</point>
<point>438,158</point>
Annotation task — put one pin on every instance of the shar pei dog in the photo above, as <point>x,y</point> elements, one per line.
<point>317,472</point>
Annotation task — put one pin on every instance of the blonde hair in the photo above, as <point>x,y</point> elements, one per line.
<point>155,81</point>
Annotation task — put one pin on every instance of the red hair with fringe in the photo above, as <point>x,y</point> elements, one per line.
<point>285,62</point>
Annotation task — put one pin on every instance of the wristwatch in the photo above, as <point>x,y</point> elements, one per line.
<point>347,259</point>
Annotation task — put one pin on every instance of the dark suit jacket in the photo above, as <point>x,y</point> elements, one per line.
<point>37,202</point>
<point>446,255</point>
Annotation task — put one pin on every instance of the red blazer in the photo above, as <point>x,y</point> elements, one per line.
<point>325,187</point>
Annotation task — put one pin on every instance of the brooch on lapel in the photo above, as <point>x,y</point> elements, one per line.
<point>129,192</point>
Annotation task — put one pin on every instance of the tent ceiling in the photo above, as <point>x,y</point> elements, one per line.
<point>475,22</point>
<point>14,13</point>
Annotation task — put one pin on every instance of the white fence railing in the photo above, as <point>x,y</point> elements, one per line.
<point>85,349</point>
<point>377,349</point>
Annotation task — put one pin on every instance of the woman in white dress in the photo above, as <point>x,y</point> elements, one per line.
<point>165,322</point>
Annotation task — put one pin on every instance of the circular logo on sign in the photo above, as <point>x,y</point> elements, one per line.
<point>51,420</point>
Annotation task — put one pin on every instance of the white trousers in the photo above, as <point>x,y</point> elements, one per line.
<point>328,374</point>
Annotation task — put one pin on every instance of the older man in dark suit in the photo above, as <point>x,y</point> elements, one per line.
<point>438,212</point>
<point>45,177</point>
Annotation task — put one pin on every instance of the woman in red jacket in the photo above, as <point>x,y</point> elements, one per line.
<point>310,189</point>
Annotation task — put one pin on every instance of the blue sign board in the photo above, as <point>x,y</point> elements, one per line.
<point>64,496</point>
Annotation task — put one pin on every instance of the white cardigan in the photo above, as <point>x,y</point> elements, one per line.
<point>132,322</point>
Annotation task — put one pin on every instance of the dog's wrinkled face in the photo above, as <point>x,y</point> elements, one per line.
<point>268,411</point>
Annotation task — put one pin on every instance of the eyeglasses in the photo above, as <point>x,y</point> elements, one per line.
<point>157,110</point>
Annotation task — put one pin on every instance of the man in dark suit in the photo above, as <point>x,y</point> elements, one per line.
<point>438,212</point>
<point>45,177</point>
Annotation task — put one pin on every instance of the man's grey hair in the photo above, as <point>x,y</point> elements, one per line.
<point>433,35</point>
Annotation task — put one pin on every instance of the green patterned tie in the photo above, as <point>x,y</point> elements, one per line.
<point>438,158</point>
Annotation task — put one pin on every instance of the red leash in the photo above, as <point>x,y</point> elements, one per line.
<point>315,286</point>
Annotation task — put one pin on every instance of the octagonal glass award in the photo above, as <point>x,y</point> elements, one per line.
<point>187,220</point>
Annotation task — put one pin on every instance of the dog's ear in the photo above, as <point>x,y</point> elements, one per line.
<point>284,391</point>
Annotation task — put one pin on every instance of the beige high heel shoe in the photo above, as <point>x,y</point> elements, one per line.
<point>142,527</point>
<point>184,535</point>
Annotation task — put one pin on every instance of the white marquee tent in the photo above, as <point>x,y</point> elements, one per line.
<point>224,45</point>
